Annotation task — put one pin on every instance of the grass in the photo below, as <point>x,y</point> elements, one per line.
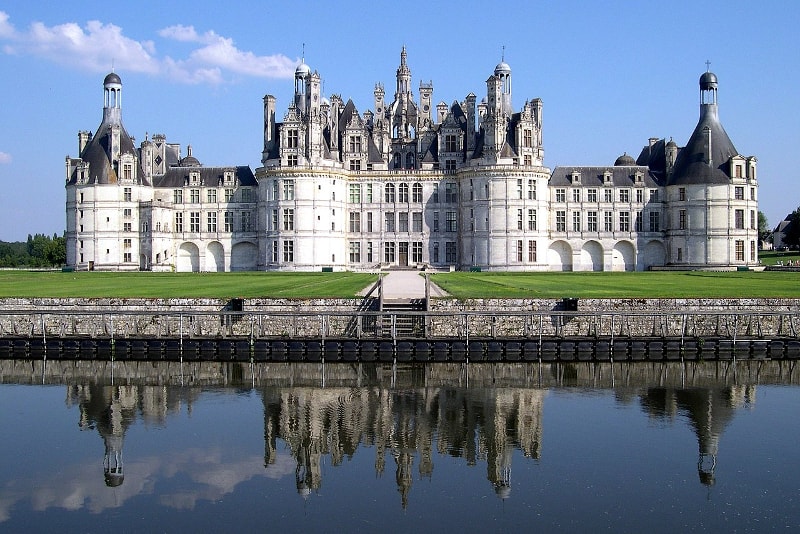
<point>683,284</point>
<point>186,285</point>
<point>771,258</point>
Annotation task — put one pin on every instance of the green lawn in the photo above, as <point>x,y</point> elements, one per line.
<point>682,284</point>
<point>771,258</point>
<point>172,285</point>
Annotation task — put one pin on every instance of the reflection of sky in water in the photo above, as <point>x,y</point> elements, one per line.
<point>373,458</point>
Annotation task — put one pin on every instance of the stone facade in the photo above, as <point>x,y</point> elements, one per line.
<point>409,185</point>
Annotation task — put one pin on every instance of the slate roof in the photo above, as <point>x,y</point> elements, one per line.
<point>97,153</point>
<point>595,176</point>
<point>691,166</point>
<point>209,176</point>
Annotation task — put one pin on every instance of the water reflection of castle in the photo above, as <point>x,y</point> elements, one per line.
<point>483,424</point>
<point>112,409</point>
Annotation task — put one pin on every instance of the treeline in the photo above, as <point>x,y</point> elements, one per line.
<point>38,251</point>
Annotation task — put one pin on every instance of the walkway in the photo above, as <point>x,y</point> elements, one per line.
<point>406,285</point>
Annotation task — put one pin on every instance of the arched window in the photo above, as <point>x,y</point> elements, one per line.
<point>398,161</point>
<point>389,193</point>
<point>416,192</point>
<point>402,193</point>
<point>410,160</point>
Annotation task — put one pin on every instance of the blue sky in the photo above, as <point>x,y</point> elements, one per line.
<point>610,74</point>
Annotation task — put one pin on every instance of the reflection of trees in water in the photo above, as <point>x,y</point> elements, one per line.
<point>404,424</point>
<point>709,410</point>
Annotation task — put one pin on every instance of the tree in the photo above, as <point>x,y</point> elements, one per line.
<point>763,229</point>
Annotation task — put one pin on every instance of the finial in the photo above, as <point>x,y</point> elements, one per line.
<point>708,66</point>
<point>503,54</point>
<point>304,53</point>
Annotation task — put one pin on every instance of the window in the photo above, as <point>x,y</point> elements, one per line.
<point>682,220</point>
<point>292,138</point>
<point>126,213</point>
<point>288,219</point>
<point>402,221</point>
<point>680,254</point>
<point>389,221</point>
<point>608,195</point>
<point>527,138</point>
<point>355,193</point>
<point>355,252</point>
<point>291,160</point>
<point>228,221</point>
<point>228,195</point>
<point>369,251</point>
<point>519,250</point>
<point>435,195</point>
<point>274,251</point>
<point>655,222</point>
<point>211,195</point>
<point>640,195</point>
<point>369,193</point>
<point>435,221</point>
<point>520,220</point>
<point>355,164</point>
<point>576,221</point>
<point>450,144</point>
<point>369,221</point>
<point>739,219</point>
<point>288,251</point>
<point>738,171</point>
<point>527,159</point>
<point>275,191</point>
<point>682,193</point>
<point>591,221</point>
<point>739,250</point>
<point>194,196</point>
<point>126,243</point>
<point>127,172</point>
<point>247,225</point>
<point>416,221</point>
<point>274,220</point>
<point>531,189</point>
<point>752,219</point>
<point>211,221</point>
<point>416,251</point>
<point>435,253</point>
<point>355,143</point>
<point>752,251</point>
<point>127,257</point>
<point>194,221</point>
<point>355,221</point>
<point>247,194</point>
<point>624,195</point>
<point>451,223</point>
<point>531,219</point>
<point>637,225</point>
<point>591,195</point>
<point>752,193</point>
<point>561,221</point>
<point>654,195</point>
<point>576,195</point>
<point>450,255</point>
<point>416,193</point>
<point>127,194</point>
<point>402,193</point>
<point>519,189</point>
<point>177,196</point>
<point>388,252</point>
<point>624,221</point>
<point>389,193</point>
<point>608,221</point>
<point>561,195</point>
<point>179,222</point>
<point>738,191</point>
<point>288,190</point>
<point>450,192</point>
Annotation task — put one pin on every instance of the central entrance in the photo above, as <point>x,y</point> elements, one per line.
<point>403,254</point>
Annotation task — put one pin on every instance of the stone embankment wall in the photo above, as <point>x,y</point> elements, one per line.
<point>355,317</point>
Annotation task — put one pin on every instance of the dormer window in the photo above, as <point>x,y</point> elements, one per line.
<point>576,177</point>
<point>194,178</point>
<point>638,178</point>
<point>607,177</point>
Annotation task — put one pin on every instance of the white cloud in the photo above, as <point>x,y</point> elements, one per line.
<point>98,46</point>
<point>5,157</point>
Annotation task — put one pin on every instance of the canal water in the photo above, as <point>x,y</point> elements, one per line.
<point>143,446</point>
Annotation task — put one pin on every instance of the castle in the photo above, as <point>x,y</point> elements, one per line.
<point>408,185</point>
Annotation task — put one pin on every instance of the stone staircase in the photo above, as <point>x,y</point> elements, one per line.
<point>405,325</point>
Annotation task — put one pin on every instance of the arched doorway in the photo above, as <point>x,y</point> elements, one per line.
<point>188,258</point>
<point>215,257</point>
<point>592,256</point>
<point>559,256</point>
<point>623,257</point>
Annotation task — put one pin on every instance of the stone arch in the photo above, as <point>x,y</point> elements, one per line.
<point>654,253</point>
<point>623,257</point>
<point>215,257</point>
<point>592,256</point>
<point>244,257</point>
<point>188,258</point>
<point>559,256</point>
